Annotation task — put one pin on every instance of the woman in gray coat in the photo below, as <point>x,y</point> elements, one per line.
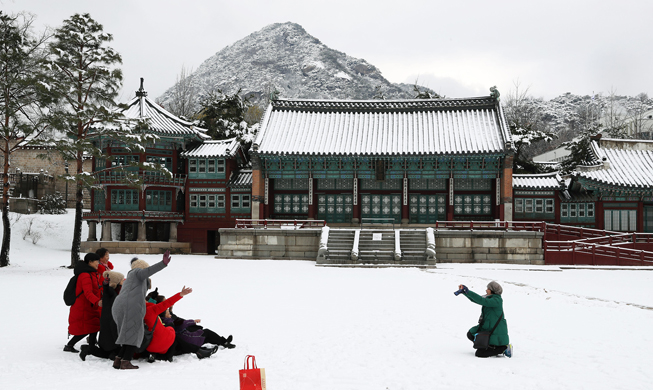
<point>129,309</point>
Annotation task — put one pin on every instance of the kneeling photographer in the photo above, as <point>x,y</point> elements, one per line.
<point>490,336</point>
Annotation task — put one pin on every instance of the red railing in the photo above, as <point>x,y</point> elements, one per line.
<point>278,223</point>
<point>491,225</point>
<point>584,253</point>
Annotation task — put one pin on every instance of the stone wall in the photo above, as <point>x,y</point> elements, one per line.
<point>28,161</point>
<point>269,243</point>
<point>452,246</point>
<point>136,247</point>
<point>521,247</point>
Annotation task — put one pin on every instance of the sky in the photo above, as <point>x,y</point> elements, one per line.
<point>457,48</point>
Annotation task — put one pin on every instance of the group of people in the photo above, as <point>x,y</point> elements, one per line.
<point>118,308</point>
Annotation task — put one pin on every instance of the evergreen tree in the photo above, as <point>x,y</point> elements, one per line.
<point>88,80</point>
<point>426,94</point>
<point>224,116</point>
<point>25,100</point>
<point>589,127</point>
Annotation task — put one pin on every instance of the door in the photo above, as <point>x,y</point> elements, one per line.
<point>383,208</point>
<point>335,208</point>
<point>427,208</point>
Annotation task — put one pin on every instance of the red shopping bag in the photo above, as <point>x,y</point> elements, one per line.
<point>252,378</point>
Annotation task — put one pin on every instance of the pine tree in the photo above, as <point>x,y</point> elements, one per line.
<point>88,81</point>
<point>224,115</point>
<point>25,100</point>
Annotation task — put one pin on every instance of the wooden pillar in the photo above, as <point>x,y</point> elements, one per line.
<point>257,189</point>
<point>312,204</point>
<point>640,216</point>
<point>405,218</point>
<point>450,195</point>
<point>356,211</point>
<point>506,189</point>
<point>599,215</point>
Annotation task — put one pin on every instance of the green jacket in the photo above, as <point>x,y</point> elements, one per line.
<point>491,311</point>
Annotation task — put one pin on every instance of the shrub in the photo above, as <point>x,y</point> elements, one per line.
<point>52,204</point>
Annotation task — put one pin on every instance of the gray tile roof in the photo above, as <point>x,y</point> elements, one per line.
<point>161,121</point>
<point>219,148</point>
<point>383,127</point>
<point>621,163</point>
<point>545,181</point>
<point>241,179</point>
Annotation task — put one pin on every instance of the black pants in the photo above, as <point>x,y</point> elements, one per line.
<point>493,350</point>
<point>178,347</point>
<point>92,339</point>
<point>211,337</point>
<point>101,353</point>
<point>127,352</point>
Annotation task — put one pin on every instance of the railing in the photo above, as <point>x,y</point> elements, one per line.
<point>149,178</point>
<point>278,223</point>
<point>133,215</point>
<point>491,225</point>
<point>584,253</point>
<point>379,220</point>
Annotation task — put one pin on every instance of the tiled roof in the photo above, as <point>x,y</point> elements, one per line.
<point>383,127</point>
<point>545,181</point>
<point>621,163</point>
<point>220,148</point>
<point>242,179</point>
<point>159,120</point>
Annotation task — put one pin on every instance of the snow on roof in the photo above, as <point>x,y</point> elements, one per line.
<point>383,127</point>
<point>544,181</point>
<point>219,148</point>
<point>159,119</point>
<point>623,163</point>
<point>242,179</point>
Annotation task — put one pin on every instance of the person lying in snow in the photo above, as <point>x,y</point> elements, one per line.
<point>165,343</point>
<point>107,347</point>
<point>190,331</point>
<point>491,318</point>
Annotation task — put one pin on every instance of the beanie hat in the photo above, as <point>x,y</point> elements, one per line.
<point>114,278</point>
<point>138,263</point>
<point>91,257</point>
<point>495,287</point>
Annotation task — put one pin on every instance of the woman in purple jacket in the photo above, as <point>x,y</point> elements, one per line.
<point>191,332</point>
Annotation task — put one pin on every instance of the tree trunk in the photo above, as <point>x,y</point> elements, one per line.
<point>77,232</point>
<point>6,235</point>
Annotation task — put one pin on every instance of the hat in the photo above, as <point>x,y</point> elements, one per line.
<point>138,263</point>
<point>91,257</point>
<point>114,278</point>
<point>495,287</point>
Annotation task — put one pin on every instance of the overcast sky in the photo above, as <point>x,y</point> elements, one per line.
<point>458,48</point>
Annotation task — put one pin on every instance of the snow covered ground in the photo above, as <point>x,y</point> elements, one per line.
<point>333,328</point>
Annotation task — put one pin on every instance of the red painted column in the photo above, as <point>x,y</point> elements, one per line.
<point>640,216</point>
<point>450,195</point>
<point>599,215</point>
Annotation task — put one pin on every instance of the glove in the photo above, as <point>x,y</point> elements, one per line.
<point>166,257</point>
<point>106,280</point>
<point>465,289</point>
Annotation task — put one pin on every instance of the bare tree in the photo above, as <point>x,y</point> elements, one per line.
<point>638,121</point>
<point>614,117</point>
<point>183,102</point>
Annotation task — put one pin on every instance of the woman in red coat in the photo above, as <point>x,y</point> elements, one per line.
<point>84,317</point>
<point>164,342</point>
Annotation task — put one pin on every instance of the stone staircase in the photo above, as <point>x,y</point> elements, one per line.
<point>413,245</point>
<point>340,244</point>
<point>377,251</point>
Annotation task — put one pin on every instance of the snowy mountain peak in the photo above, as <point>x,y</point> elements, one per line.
<point>283,56</point>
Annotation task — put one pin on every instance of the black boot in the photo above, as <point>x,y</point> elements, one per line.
<point>206,352</point>
<point>70,348</point>
<point>116,362</point>
<point>86,349</point>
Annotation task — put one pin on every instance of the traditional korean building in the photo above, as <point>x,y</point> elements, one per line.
<point>217,192</point>
<point>620,181</point>
<point>537,197</point>
<point>190,206</point>
<point>408,161</point>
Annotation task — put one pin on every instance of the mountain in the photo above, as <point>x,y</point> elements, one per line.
<point>283,56</point>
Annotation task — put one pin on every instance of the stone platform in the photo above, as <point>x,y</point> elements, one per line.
<point>136,247</point>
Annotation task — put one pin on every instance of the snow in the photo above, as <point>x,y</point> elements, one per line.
<point>341,328</point>
<point>342,75</point>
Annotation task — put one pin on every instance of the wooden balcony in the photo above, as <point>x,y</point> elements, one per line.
<point>120,177</point>
<point>136,216</point>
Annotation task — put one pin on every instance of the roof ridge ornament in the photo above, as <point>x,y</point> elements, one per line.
<point>494,92</point>
<point>141,92</point>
